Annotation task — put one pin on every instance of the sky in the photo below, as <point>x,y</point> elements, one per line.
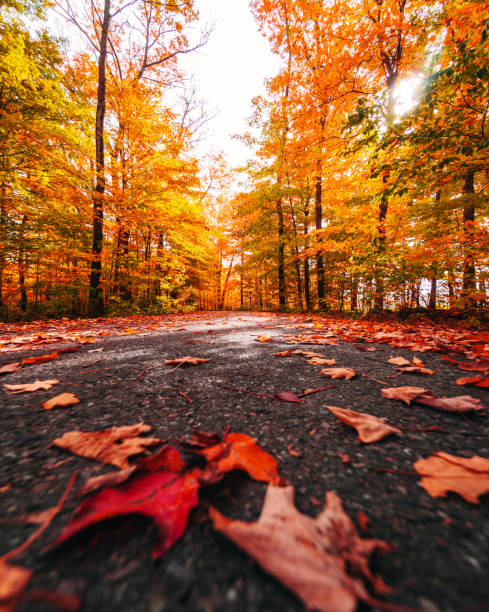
<point>228,72</point>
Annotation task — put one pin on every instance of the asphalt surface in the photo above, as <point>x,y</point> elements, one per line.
<point>442,556</point>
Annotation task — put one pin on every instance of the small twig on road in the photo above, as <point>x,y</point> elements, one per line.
<point>143,372</point>
<point>92,362</point>
<point>311,391</point>
<point>44,526</point>
<point>189,400</point>
<point>372,378</point>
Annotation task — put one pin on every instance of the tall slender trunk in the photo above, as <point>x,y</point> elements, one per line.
<point>433,268</point>
<point>241,281</point>
<point>318,209</point>
<point>307,276</point>
<point>296,258</point>
<point>96,301</point>
<point>468,281</point>
<point>21,265</point>
<point>281,254</point>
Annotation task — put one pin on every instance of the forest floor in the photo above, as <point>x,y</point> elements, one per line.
<point>441,559</point>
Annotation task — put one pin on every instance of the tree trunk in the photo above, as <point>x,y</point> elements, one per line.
<point>432,302</point>
<point>281,255</point>
<point>307,276</point>
<point>95,301</point>
<point>318,195</point>
<point>21,265</point>
<point>468,280</point>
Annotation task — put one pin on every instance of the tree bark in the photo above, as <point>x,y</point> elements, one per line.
<point>468,280</point>
<point>281,255</point>
<point>318,195</point>
<point>95,300</point>
<point>21,265</point>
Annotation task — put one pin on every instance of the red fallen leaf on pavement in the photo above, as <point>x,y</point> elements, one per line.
<point>477,381</point>
<point>399,361</point>
<point>186,361</point>
<point>10,367</point>
<point>364,522</point>
<point>63,399</point>
<point>369,427</point>
<point>263,338</point>
<point>308,354</point>
<point>282,353</point>
<point>106,480</point>
<point>286,396</point>
<point>461,403</point>
<point>40,358</point>
<point>344,457</point>
<point>339,372</point>
<point>167,497</point>
<point>114,445</point>
<point>416,370</point>
<point>13,580</point>
<point>471,366</point>
<point>321,361</point>
<point>311,557</point>
<point>442,472</point>
<point>405,394</point>
<point>35,386</point>
<point>238,451</point>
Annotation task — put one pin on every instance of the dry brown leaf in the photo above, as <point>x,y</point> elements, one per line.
<point>338,372</point>
<point>112,445</point>
<point>321,361</point>
<point>35,386</point>
<point>310,556</point>
<point>416,370</point>
<point>13,580</point>
<point>185,361</point>
<point>63,399</point>
<point>308,354</point>
<point>263,338</point>
<point>399,361</point>
<point>369,427</point>
<point>405,394</point>
<point>442,472</point>
<point>282,353</point>
<point>10,367</point>
<point>478,381</point>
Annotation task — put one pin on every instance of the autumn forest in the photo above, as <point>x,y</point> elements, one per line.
<point>350,200</point>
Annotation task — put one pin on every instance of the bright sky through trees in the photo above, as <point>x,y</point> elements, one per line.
<point>229,71</point>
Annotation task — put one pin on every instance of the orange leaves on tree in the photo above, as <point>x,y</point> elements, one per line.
<point>339,372</point>
<point>309,556</point>
<point>369,427</point>
<point>61,400</point>
<point>442,473</point>
<point>29,387</point>
<point>114,445</point>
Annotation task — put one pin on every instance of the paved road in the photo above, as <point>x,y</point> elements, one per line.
<point>441,562</point>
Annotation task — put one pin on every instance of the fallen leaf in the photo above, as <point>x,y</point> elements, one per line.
<point>405,394</point>
<point>344,457</point>
<point>477,381</point>
<point>310,556</point>
<point>461,403</point>
<point>186,361</point>
<point>286,396</point>
<point>416,370</point>
<point>308,354</point>
<point>369,427</point>
<point>364,522</point>
<point>321,361</point>
<point>35,386</point>
<point>282,353</point>
<point>63,399</point>
<point>238,451</point>
<point>13,580</point>
<point>442,472</point>
<point>338,372</point>
<point>114,445</point>
<point>106,480</point>
<point>476,366</point>
<point>399,361</point>
<point>167,497</point>
<point>41,358</point>
<point>10,367</point>
<point>292,452</point>
<point>264,338</point>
